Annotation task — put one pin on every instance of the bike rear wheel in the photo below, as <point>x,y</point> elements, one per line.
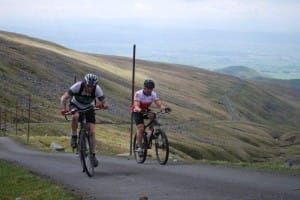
<point>86,155</point>
<point>161,147</point>
<point>140,157</point>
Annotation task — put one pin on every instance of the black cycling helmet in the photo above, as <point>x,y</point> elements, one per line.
<point>149,84</point>
<point>91,79</point>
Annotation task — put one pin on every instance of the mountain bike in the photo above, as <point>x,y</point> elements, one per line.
<point>84,146</point>
<point>160,138</point>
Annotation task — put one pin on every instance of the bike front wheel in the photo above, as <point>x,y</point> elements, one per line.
<point>161,147</point>
<point>86,155</point>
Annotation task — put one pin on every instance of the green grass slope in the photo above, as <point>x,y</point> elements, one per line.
<point>286,90</point>
<point>200,127</point>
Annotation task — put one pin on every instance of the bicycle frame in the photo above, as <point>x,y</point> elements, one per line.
<point>85,145</point>
<point>154,120</point>
<point>161,140</point>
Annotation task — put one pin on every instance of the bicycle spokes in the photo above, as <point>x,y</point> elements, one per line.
<point>162,148</point>
<point>140,153</point>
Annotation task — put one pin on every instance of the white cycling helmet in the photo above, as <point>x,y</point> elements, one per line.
<point>91,79</point>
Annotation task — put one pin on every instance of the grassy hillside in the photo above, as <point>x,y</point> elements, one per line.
<point>199,127</point>
<point>286,90</point>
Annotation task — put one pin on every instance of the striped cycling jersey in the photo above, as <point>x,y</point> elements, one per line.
<point>81,98</point>
<point>145,101</point>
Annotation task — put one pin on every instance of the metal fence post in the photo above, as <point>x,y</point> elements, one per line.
<point>5,119</point>
<point>0,119</point>
<point>28,127</point>
<point>16,117</point>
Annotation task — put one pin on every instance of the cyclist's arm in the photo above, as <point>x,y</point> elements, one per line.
<point>136,106</point>
<point>101,103</point>
<point>64,98</point>
<point>100,98</point>
<point>75,88</point>
<point>160,104</point>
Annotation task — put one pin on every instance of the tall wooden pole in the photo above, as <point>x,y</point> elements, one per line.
<point>132,97</point>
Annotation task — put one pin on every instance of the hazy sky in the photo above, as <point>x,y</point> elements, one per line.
<point>263,34</point>
<point>241,15</point>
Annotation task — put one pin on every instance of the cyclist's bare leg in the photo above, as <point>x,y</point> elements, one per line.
<point>150,117</point>
<point>74,124</point>
<point>139,136</point>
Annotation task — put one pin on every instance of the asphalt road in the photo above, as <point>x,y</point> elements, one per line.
<point>122,178</point>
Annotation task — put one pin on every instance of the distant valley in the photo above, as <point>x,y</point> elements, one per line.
<point>274,55</point>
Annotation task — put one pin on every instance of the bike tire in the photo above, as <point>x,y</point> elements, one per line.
<point>81,150</point>
<point>86,154</point>
<point>161,147</point>
<point>140,157</point>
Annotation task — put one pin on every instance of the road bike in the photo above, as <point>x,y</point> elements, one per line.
<point>159,136</point>
<point>85,144</point>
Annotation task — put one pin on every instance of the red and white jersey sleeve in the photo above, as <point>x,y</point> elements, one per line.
<point>145,101</point>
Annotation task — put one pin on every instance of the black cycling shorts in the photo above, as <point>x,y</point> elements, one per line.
<point>139,117</point>
<point>90,115</point>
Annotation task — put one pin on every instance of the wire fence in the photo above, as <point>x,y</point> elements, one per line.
<point>28,115</point>
<point>29,109</point>
<point>23,114</point>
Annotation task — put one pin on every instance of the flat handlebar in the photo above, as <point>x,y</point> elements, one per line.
<point>164,111</point>
<point>75,110</point>
<point>145,113</point>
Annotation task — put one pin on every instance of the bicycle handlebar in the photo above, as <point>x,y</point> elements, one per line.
<point>164,111</point>
<point>74,110</point>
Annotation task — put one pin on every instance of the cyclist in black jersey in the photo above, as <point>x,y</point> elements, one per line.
<point>82,95</point>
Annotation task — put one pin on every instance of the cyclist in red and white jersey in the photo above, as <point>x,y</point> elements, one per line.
<point>142,101</point>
